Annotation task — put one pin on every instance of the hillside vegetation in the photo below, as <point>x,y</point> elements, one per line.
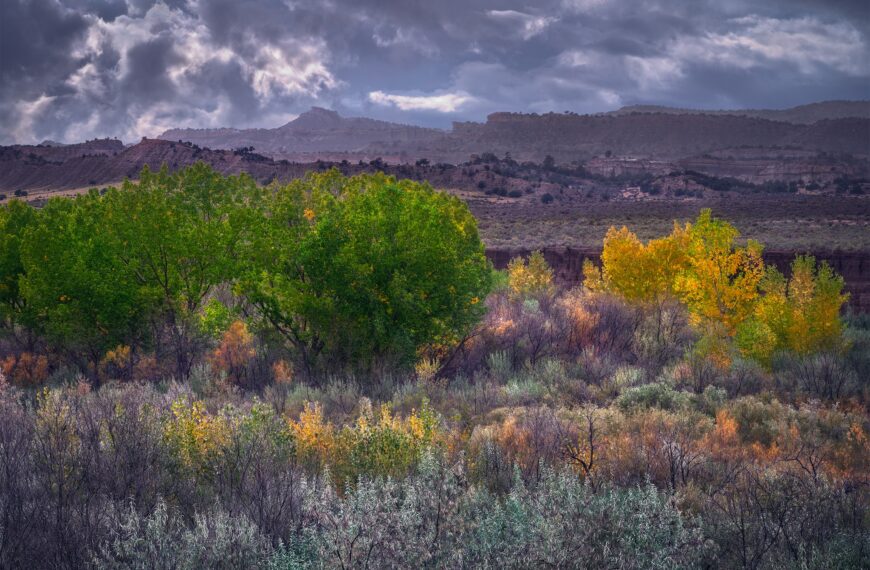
<point>198,371</point>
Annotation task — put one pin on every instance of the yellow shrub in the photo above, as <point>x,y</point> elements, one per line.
<point>315,438</point>
<point>427,368</point>
<point>194,435</point>
<point>377,444</point>
<point>116,363</point>
<point>383,444</point>
<point>532,276</point>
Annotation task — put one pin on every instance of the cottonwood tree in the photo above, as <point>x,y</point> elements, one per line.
<point>84,299</point>
<point>15,314</point>
<point>177,235</point>
<point>365,270</point>
<point>799,314</point>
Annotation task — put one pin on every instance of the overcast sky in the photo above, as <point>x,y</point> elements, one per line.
<point>81,69</point>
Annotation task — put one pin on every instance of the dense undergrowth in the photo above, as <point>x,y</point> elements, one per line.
<point>688,408</point>
<point>579,452</point>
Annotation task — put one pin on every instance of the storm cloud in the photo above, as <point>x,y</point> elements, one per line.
<point>81,69</point>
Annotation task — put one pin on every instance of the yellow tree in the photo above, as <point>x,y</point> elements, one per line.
<point>639,272</point>
<point>801,313</point>
<point>532,276</point>
<point>720,284</point>
<point>816,293</point>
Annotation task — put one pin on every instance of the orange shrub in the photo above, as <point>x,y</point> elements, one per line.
<point>25,370</point>
<point>581,320</point>
<point>282,372</point>
<point>235,352</point>
<point>147,369</point>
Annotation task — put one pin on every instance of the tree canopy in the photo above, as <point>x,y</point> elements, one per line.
<point>726,288</point>
<point>360,271</point>
<point>366,268</point>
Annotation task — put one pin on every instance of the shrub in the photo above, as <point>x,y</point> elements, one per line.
<point>26,369</point>
<point>530,276</point>
<point>195,437</point>
<point>160,540</point>
<point>382,444</point>
<point>562,523</point>
<point>378,444</point>
<point>655,395</point>
<point>825,375</point>
<point>235,353</point>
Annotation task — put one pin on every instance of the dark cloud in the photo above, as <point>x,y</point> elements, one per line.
<point>36,38</point>
<point>148,63</point>
<point>83,68</point>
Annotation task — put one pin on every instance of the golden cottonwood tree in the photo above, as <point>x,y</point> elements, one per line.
<point>638,272</point>
<point>719,284</point>
<point>801,313</point>
<point>726,288</point>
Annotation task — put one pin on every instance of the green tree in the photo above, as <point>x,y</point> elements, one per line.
<point>15,314</point>
<point>82,297</point>
<point>366,269</point>
<point>178,235</point>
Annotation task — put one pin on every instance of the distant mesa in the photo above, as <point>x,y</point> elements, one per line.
<point>755,146</point>
<point>315,119</point>
<point>658,132</point>
<point>317,130</point>
<point>802,114</point>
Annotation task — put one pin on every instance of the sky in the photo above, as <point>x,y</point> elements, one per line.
<point>80,69</point>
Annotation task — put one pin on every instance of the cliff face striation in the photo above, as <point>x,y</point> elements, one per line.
<point>801,115</point>
<point>661,136</point>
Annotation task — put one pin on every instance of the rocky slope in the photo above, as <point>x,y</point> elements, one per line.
<point>97,163</point>
<point>55,152</point>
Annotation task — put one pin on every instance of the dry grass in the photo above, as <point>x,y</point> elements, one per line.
<point>812,223</point>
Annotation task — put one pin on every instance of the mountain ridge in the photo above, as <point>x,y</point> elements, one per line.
<point>318,129</point>
<point>651,131</point>
<point>800,114</point>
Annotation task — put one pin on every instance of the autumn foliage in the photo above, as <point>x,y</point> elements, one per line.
<point>235,352</point>
<point>296,390</point>
<point>726,288</point>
